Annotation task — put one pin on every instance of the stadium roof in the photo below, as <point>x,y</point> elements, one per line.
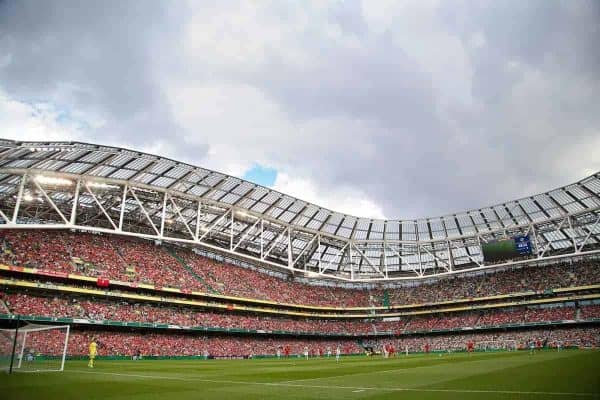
<point>171,200</point>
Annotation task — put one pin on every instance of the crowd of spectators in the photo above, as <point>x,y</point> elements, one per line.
<point>581,337</point>
<point>236,281</point>
<point>112,343</point>
<point>535,278</point>
<point>101,310</point>
<point>168,344</point>
<point>590,312</point>
<point>97,310</point>
<point>443,321</point>
<point>142,261</point>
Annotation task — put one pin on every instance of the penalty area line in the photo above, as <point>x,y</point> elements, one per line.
<point>354,388</point>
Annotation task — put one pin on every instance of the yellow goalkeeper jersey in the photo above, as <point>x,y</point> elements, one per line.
<point>93,349</point>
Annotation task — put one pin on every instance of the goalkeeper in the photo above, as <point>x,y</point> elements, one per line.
<point>93,352</point>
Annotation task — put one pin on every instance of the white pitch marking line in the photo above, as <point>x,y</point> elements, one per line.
<point>385,389</point>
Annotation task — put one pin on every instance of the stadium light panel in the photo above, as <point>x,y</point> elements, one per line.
<point>244,214</point>
<point>100,185</point>
<point>49,180</point>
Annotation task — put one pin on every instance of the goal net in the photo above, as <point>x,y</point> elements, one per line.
<point>497,345</point>
<point>34,348</point>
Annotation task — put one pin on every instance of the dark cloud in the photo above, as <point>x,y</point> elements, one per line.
<point>100,58</point>
<point>535,99</point>
<point>427,110</point>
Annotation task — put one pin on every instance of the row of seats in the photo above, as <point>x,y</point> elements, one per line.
<point>63,306</point>
<point>136,260</point>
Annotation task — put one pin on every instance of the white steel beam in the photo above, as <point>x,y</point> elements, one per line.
<point>89,190</point>
<point>245,235</point>
<point>163,214</point>
<point>275,242</point>
<point>75,202</point>
<point>587,237</point>
<point>139,203</point>
<point>367,260</point>
<point>123,203</point>
<point>446,265</point>
<point>549,241</point>
<point>50,201</point>
<point>4,217</point>
<point>217,221</point>
<point>19,198</point>
<point>183,220</point>
<point>303,250</point>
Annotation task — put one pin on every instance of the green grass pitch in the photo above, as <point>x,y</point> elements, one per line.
<point>512,375</point>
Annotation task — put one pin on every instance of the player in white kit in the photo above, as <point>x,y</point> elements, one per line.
<point>337,354</point>
<point>306,352</point>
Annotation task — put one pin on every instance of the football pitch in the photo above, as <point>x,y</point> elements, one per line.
<point>512,375</point>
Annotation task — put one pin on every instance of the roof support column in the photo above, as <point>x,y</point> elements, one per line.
<point>19,198</point>
<point>163,215</point>
<point>198,220</point>
<point>122,215</point>
<point>73,217</point>
<point>351,262</point>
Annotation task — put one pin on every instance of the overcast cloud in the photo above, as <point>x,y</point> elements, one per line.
<point>375,108</point>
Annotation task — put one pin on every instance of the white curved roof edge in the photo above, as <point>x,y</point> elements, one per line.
<point>341,220</point>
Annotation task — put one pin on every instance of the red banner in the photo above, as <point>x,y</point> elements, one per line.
<point>103,282</point>
<point>52,273</point>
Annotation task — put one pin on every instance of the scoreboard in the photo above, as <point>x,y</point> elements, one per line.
<point>523,245</point>
<point>518,246</point>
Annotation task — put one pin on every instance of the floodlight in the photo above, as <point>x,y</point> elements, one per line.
<point>50,180</point>
<point>101,185</point>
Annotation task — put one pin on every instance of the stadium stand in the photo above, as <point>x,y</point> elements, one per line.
<point>580,337</point>
<point>111,257</point>
<point>140,261</point>
<point>97,310</point>
<point>63,306</point>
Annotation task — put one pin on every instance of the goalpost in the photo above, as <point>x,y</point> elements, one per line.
<point>497,345</point>
<point>34,348</point>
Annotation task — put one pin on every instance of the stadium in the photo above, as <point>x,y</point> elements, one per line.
<point>316,199</point>
<point>185,276</point>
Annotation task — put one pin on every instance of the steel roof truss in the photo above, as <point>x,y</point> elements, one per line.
<point>91,193</point>
<point>139,203</point>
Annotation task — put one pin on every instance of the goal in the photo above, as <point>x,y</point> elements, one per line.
<point>34,348</point>
<point>497,345</point>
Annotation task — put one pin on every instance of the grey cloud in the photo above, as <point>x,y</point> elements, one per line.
<point>100,58</point>
<point>531,98</point>
<point>505,145</point>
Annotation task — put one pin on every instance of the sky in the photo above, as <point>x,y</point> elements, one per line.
<point>381,109</point>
